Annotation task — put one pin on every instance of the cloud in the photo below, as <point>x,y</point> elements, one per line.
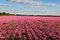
<point>4,4</point>
<point>35,4</point>
<point>49,4</point>
<point>27,2</point>
<point>38,6</point>
<point>32,6</point>
<point>44,9</point>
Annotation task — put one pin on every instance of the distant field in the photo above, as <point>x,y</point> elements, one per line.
<point>29,28</point>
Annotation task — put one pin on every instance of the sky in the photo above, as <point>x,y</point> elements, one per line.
<point>31,7</point>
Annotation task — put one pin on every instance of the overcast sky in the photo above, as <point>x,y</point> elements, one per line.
<point>31,7</point>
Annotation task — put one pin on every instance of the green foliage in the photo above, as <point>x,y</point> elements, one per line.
<point>14,39</point>
<point>6,14</point>
<point>11,39</point>
<point>0,39</point>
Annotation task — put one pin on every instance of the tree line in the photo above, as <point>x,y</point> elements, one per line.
<point>5,14</point>
<point>10,14</point>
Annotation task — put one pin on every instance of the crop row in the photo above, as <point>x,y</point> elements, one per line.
<point>29,29</point>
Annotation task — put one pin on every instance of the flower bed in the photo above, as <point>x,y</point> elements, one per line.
<point>29,28</point>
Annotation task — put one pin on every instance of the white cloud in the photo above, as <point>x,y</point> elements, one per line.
<point>34,3</point>
<point>49,4</point>
<point>32,6</point>
<point>4,4</point>
<point>27,2</point>
<point>44,9</point>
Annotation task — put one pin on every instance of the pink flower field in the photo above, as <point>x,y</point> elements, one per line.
<point>29,28</point>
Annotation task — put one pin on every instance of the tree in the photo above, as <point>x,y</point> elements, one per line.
<point>4,13</point>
